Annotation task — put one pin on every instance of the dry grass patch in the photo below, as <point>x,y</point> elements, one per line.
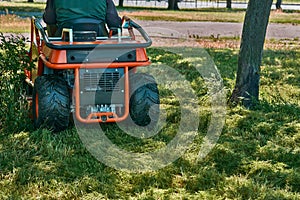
<point>14,24</point>
<point>185,15</point>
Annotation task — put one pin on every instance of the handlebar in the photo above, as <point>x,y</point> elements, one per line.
<point>130,22</point>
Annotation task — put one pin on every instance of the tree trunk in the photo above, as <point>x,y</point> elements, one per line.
<point>278,5</point>
<point>173,5</point>
<point>253,36</point>
<point>30,1</point>
<point>121,3</point>
<point>228,4</point>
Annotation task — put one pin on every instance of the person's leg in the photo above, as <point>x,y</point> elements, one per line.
<point>51,30</point>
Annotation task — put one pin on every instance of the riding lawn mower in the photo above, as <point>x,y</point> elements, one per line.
<point>91,76</point>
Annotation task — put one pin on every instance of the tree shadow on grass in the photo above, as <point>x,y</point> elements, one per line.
<point>42,164</point>
<point>226,61</point>
<point>273,131</point>
<point>263,145</point>
<point>281,66</point>
<point>260,145</point>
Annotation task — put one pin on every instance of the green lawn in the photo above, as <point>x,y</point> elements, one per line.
<point>291,1</point>
<point>256,156</point>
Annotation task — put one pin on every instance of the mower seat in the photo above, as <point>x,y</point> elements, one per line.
<point>84,24</point>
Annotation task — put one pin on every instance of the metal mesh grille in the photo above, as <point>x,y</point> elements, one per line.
<point>106,81</point>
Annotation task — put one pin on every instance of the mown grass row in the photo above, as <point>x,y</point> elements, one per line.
<point>256,156</point>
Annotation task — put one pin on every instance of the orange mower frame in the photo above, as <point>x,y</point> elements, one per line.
<point>86,66</point>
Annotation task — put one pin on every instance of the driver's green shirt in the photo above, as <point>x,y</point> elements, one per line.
<point>74,9</point>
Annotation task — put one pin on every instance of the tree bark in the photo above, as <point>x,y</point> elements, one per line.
<point>121,3</point>
<point>278,4</point>
<point>228,4</point>
<point>173,5</point>
<point>255,25</point>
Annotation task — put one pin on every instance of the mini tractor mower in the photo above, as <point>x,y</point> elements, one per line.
<point>90,75</point>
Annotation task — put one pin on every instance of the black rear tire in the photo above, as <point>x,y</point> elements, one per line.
<point>51,103</point>
<point>144,99</point>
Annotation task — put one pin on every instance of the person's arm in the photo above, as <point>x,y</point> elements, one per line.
<point>49,15</point>
<point>112,18</point>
